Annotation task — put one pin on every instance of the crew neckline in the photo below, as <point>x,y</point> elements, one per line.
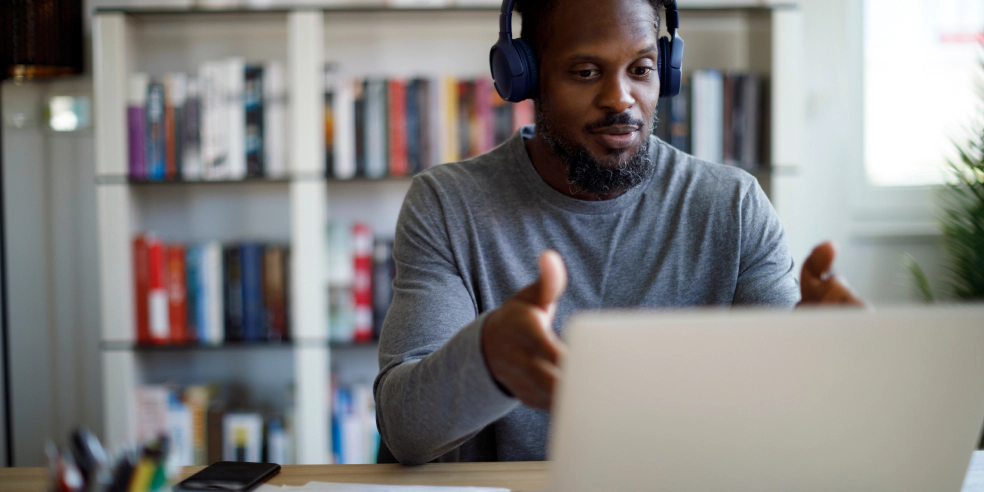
<point>545,192</point>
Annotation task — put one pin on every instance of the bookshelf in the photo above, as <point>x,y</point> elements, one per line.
<point>296,208</point>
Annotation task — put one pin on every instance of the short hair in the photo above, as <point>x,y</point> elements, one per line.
<point>534,14</point>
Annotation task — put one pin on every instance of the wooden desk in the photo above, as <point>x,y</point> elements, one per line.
<point>528,476</point>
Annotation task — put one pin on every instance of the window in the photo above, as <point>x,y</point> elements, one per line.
<point>921,73</point>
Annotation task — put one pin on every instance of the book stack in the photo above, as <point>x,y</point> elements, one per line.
<point>360,282</point>
<point>200,430</point>
<point>396,127</point>
<point>210,293</point>
<point>227,122</point>
<point>719,117</point>
<point>354,436</point>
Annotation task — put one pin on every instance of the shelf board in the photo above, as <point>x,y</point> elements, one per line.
<point>117,179</point>
<point>125,346</point>
<point>162,11</point>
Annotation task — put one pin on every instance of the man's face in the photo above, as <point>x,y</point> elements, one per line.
<point>598,91</point>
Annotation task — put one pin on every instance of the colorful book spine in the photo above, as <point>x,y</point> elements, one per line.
<point>141,288</point>
<point>253,103</point>
<point>177,294</point>
<point>376,147</point>
<point>175,95</point>
<point>157,297</point>
<point>483,124</point>
<point>412,126</point>
<point>213,95</point>
<point>156,165</point>
<point>343,129</point>
<point>192,294</point>
<point>234,303</point>
<point>274,292</point>
<point>136,120</point>
<point>396,97</point>
<point>330,116</point>
<point>254,317</point>
<point>359,117</point>
<point>362,286</point>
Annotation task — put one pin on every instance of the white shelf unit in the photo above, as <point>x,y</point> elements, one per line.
<point>358,41</point>
<point>292,210</point>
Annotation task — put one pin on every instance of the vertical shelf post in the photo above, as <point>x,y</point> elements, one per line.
<point>309,210</point>
<point>110,36</point>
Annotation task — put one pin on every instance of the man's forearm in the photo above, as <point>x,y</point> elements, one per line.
<point>429,406</point>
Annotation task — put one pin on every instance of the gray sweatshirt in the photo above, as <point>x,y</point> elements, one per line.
<point>468,237</point>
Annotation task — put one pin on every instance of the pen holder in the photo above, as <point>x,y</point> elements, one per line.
<point>84,466</point>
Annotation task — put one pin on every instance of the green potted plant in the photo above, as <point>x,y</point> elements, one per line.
<point>961,220</point>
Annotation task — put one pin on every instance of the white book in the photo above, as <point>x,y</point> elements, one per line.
<point>191,168</point>
<point>210,274</point>
<point>435,109</point>
<point>376,123</point>
<point>343,121</point>
<point>214,120</point>
<point>242,437</point>
<point>181,450</point>
<point>708,115</point>
<point>275,119</point>
<point>236,82</point>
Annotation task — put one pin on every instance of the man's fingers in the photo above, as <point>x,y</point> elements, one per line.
<point>551,283</point>
<point>819,262</point>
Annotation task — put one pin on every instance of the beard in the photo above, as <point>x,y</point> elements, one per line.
<point>617,172</point>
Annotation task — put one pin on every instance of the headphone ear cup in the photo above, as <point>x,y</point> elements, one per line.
<point>663,64</point>
<point>532,75</point>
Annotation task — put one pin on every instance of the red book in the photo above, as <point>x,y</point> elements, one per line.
<point>177,284</point>
<point>397,97</point>
<point>157,292</point>
<point>485,118</point>
<point>140,287</point>
<point>362,287</point>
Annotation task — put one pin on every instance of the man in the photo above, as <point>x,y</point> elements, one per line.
<point>470,347</point>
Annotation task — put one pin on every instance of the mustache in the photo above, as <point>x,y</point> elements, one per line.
<point>613,119</point>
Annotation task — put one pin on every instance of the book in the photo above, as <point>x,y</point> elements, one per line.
<point>679,119</point>
<point>176,293</point>
<point>359,117</point>
<point>242,437</point>
<point>376,148</point>
<point>180,430</point>
<point>254,326</point>
<point>707,116</point>
<point>383,273</point>
<point>211,299</point>
<point>729,119</point>
<point>154,142</point>
<point>152,405</point>
<point>136,121</point>
<point>214,142</point>
<point>198,398</point>
<point>234,301</point>
<point>191,162</point>
<point>750,97</point>
<point>275,292</point>
<point>141,289</point>
<point>343,128</point>
<point>235,75</point>
<point>253,107</point>
<point>341,277</point>
<point>329,115</point>
<point>362,284</point>
<point>214,422</point>
<point>192,295</point>
<point>396,98</point>
<point>278,443</point>
<point>157,295</point>
<point>275,119</point>
<point>175,97</point>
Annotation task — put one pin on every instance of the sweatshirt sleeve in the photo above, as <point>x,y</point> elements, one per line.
<point>433,391</point>
<point>766,269</point>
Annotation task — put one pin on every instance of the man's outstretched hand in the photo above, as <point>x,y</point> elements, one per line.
<point>518,342</point>
<point>818,285</point>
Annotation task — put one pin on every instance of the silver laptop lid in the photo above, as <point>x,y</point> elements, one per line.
<point>831,400</point>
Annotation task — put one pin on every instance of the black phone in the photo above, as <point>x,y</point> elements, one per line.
<point>228,476</point>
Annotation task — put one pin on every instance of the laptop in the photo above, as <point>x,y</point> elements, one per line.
<point>728,401</point>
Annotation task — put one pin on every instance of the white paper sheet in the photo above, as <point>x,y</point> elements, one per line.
<point>359,487</point>
<point>974,482</point>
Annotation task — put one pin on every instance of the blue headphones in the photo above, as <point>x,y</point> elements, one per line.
<point>515,72</point>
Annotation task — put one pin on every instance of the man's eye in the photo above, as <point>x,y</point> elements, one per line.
<point>585,73</point>
<point>642,70</point>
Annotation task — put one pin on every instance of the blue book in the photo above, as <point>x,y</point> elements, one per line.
<point>192,272</point>
<point>156,159</point>
<point>254,314</point>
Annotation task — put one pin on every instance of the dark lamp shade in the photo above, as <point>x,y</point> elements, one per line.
<point>40,38</point>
